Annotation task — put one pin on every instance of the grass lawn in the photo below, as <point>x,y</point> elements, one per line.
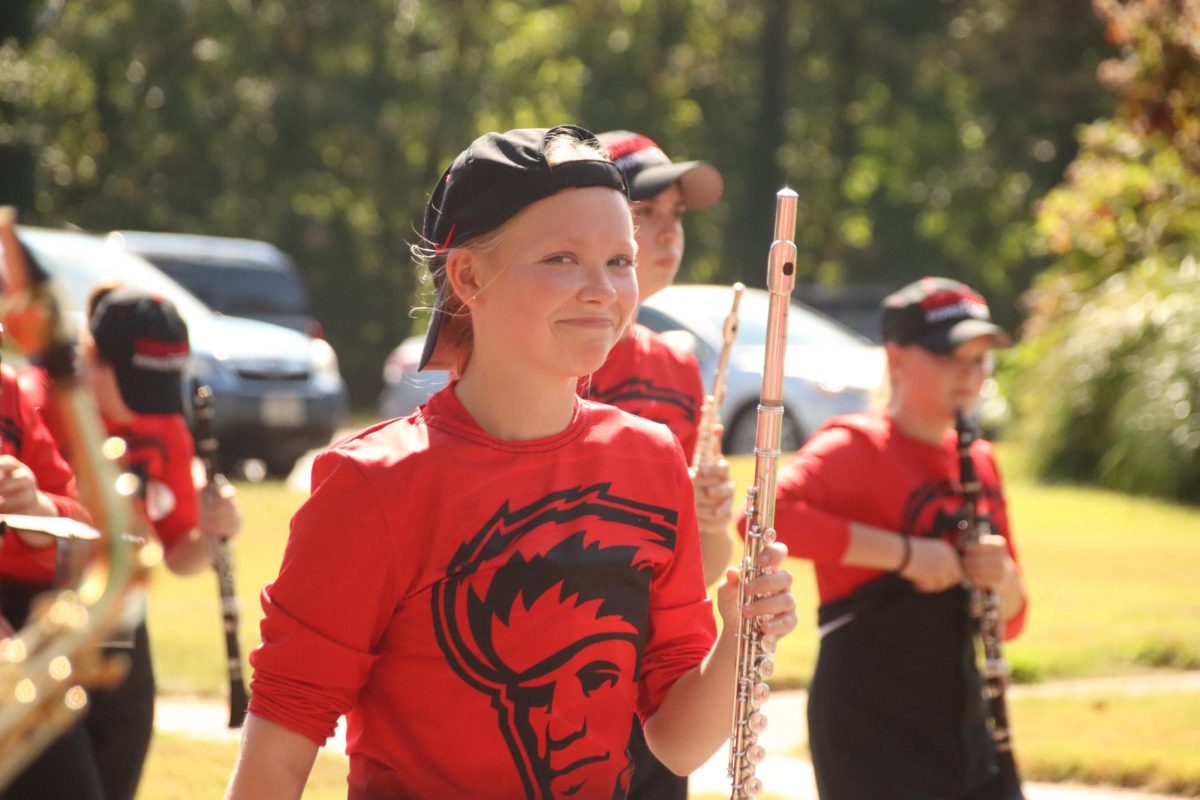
<point>1114,588</point>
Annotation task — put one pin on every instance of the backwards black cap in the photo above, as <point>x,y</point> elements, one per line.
<point>488,184</point>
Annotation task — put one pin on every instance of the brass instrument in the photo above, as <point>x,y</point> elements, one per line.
<point>985,611</point>
<point>45,666</point>
<point>707,445</point>
<point>755,649</point>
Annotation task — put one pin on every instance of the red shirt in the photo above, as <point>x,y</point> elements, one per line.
<point>648,377</point>
<point>862,468</point>
<point>23,436</point>
<point>160,452</point>
<point>488,614</point>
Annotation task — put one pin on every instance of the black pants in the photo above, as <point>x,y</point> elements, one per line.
<point>100,758</point>
<point>651,780</point>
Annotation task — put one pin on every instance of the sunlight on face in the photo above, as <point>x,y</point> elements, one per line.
<point>558,287</point>
<point>658,226</point>
<point>937,384</point>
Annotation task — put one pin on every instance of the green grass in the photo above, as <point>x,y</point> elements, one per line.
<point>1112,583</point>
<point>1149,742</point>
<point>180,768</point>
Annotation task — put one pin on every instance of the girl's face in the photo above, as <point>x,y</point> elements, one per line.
<point>658,225</point>
<point>558,288</point>
<point>935,385</point>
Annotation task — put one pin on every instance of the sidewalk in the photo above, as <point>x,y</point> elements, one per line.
<point>783,774</point>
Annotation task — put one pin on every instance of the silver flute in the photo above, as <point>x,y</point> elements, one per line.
<point>755,648</point>
<point>707,449</point>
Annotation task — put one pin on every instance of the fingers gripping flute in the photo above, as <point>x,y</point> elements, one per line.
<point>985,609</point>
<point>206,448</point>
<point>755,649</point>
<point>706,440</point>
<point>45,666</point>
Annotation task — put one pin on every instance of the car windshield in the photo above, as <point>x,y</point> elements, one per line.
<point>77,262</point>
<point>805,326</point>
<point>236,287</point>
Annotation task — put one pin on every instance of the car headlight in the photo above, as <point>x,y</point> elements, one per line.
<point>322,358</point>
<point>208,368</point>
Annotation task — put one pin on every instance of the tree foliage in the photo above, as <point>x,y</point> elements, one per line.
<point>1110,367</point>
<point>918,138</point>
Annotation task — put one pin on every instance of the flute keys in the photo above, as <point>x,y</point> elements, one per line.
<point>767,644</point>
<point>768,536</point>
<point>766,668</point>
<point>752,787</point>
<point>756,754</point>
<point>757,722</point>
<point>759,694</point>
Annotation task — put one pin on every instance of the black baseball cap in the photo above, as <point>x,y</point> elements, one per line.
<point>938,314</point>
<point>649,170</point>
<point>489,183</point>
<point>142,337</point>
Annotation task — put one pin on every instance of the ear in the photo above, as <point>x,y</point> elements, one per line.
<point>464,274</point>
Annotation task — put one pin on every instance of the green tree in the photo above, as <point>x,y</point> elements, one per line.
<point>1110,378</point>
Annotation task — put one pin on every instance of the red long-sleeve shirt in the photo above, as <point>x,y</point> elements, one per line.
<point>862,468</point>
<point>488,614</point>
<point>23,436</point>
<point>646,376</point>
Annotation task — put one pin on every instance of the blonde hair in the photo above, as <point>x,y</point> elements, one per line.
<point>559,149</point>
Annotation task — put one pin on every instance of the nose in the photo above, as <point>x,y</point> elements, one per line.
<point>598,285</point>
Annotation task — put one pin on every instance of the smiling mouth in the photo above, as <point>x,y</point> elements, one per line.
<point>579,764</point>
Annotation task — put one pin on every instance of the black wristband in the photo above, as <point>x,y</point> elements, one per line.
<point>907,553</point>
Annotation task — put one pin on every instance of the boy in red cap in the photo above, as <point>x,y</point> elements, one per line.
<point>491,587</point>
<point>647,376</point>
<point>874,501</point>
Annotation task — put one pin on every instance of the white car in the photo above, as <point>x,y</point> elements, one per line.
<point>828,369</point>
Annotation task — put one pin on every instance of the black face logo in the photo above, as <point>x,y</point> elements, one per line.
<point>935,510</point>
<point>545,610</point>
<point>635,394</point>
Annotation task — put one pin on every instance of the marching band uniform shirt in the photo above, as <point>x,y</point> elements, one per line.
<point>646,376</point>
<point>896,706</point>
<point>160,452</point>
<point>862,468</point>
<point>24,436</point>
<point>489,614</point>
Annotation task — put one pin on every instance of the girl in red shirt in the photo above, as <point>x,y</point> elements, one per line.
<point>490,588</point>
<point>895,706</point>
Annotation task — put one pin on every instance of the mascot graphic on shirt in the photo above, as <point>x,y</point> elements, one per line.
<point>934,511</point>
<point>545,610</point>
<point>640,395</point>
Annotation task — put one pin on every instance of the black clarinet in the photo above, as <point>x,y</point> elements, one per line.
<point>206,448</point>
<point>985,610</point>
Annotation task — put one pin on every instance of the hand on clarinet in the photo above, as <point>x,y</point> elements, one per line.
<point>933,565</point>
<point>987,564</point>
<point>219,515</point>
<point>769,596</point>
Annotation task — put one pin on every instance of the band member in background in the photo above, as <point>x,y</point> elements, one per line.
<point>647,376</point>
<point>521,571</point>
<point>35,480</point>
<point>134,357</point>
<point>873,500</point>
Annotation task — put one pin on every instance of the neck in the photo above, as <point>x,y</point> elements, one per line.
<point>923,428</point>
<point>515,407</point>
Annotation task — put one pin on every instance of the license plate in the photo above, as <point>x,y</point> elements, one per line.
<point>283,410</point>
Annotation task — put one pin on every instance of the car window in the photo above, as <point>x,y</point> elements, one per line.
<point>237,287</point>
<point>78,262</point>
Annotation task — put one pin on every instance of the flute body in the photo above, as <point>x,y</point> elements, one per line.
<point>707,445</point>
<point>755,649</point>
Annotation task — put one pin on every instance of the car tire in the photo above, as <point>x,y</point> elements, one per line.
<point>741,433</point>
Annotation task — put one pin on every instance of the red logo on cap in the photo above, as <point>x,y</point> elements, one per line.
<point>953,304</point>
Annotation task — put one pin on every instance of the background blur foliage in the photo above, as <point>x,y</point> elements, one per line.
<point>918,139</point>
<point>1109,373</point>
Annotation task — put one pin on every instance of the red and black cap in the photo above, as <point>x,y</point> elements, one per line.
<point>938,314</point>
<point>142,337</point>
<point>488,184</point>
<point>649,170</point>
